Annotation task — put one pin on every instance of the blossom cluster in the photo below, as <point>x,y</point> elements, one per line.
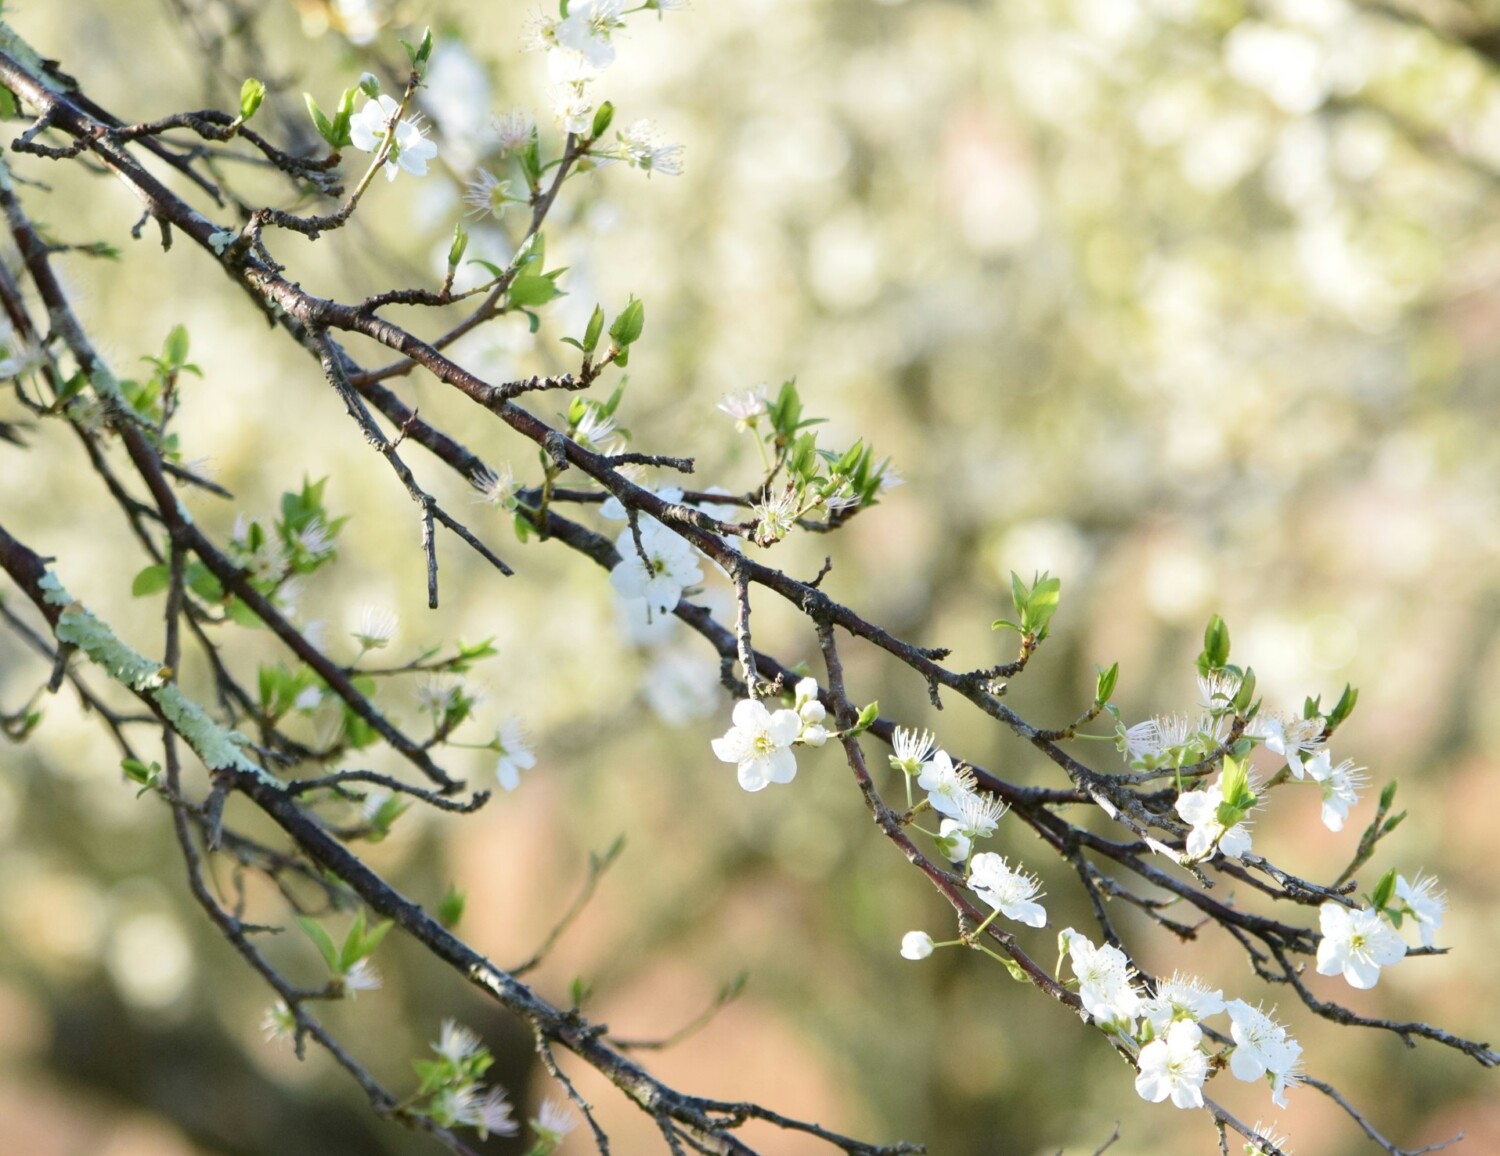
<point>1299,744</point>
<point>451,1092</point>
<point>1356,942</point>
<point>580,45</point>
<point>760,742</point>
<point>1166,1025</point>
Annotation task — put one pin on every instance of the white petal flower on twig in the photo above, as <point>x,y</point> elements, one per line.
<point>1356,944</point>
<point>1010,892</point>
<point>760,744</point>
<point>371,126</point>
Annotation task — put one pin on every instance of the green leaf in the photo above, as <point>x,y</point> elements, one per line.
<point>358,734</point>
<point>602,118</point>
<point>1215,655</point>
<point>1384,890</point>
<point>320,121</point>
<point>595,328</point>
<point>174,350</point>
<point>1104,689</point>
<point>531,161</point>
<point>1239,799</point>
<point>866,719</point>
<point>351,952</point>
<point>240,613</point>
<point>534,250</point>
<point>139,772</point>
<point>1345,706</point>
<point>1246,694</point>
<point>433,1075</point>
<point>460,243</point>
<point>491,268</point>
<point>372,940</point>
<point>472,653</point>
<point>321,939</point>
<point>1041,603</point>
<point>626,330</point>
<point>528,289</point>
<point>270,683</point>
<point>252,92</point>
<point>202,582</point>
<point>420,54</point>
<point>342,116</point>
<point>151,580</point>
<point>451,909</point>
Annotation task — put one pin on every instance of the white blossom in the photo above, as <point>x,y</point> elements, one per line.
<point>370,126</point>
<point>1424,905</point>
<point>278,1023</point>
<point>1340,786</point>
<point>376,627</point>
<point>487,196</point>
<point>514,755</point>
<point>747,407</point>
<point>760,745</point>
<point>1356,944</point>
<point>555,1119</point>
<point>496,488</point>
<point>614,509</point>
<point>946,784</point>
<point>1174,1066</point>
<point>513,130</point>
<point>360,20</point>
<point>362,976</point>
<point>456,1043</point>
<point>573,107</point>
<point>954,840</point>
<point>642,147</point>
<point>438,694</point>
<point>681,685</point>
<point>456,91</point>
<point>1008,891</point>
<point>1216,690</point>
<point>775,516</point>
<point>1182,997</point>
<point>1262,1048</point>
<point>668,567</point>
<point>979,813</point>
<point>1104,979</point>
<point>913,749</point>
<point>811,712</point>
<point>596,432</point>
<point>586,31</point>
<point>1291,738</point>
<point>489,1114</point>
<point>916,945</point>
<point>313,539</point>
<point>1266,1140</point>
<point>1208,834</point>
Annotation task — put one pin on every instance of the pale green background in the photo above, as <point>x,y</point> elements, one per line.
<point>1190,303</point>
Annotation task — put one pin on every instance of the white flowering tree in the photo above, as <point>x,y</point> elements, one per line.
<point>214,730</point>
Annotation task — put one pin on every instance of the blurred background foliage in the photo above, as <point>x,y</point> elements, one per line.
<point>1191,302</point>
